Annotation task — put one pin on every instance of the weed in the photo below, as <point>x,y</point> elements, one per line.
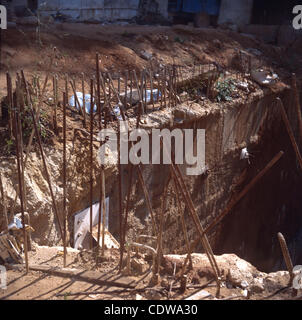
<point>225,88</point>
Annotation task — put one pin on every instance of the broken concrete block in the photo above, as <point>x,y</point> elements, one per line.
<point>276,280</point>
<point>146,55</point>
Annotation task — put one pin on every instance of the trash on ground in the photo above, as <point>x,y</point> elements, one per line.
<point>72,102</point>
<point>263,77</point>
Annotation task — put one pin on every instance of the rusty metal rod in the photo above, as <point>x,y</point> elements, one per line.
<point>126,89</point>
<point>46,172</point>
<point>239,197</point>
<point>286,256</point>
<point>10,104</point>
<point>161,224</point>
<point>143,184</point>
<point>84,99</point>
<point>124,229</point>
<point>131,88</point>
<point>76,100</point>
<point>55,94</point>
<point>120,190</point>
<point>204,240</point>
<point>181,212</point>
<point>140,108</point>
<point>4,204</point>
<point>17,138</point>
<point>297,102</point>
<point>98,93</point>
<point>91,159</point>
<point>64,179</point>
<point>290,131</point>
<point>245,191</point>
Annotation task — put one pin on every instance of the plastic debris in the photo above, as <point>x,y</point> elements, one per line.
<point>244,154</point>
<point>72,102</point>
<point>156,95</point>
<point>16,224</point>
<point>117,112</point>
<point>264,78</point>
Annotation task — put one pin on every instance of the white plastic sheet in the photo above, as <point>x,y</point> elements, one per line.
<point>72,102</point>
<point>82,222</point>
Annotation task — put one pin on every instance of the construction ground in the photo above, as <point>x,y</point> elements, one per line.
<point>246,198</point>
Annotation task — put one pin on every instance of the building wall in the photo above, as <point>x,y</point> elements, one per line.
<point>103,10</point>
<point>235,11</point>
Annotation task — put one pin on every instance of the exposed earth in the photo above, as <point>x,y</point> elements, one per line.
<point>71,49</point>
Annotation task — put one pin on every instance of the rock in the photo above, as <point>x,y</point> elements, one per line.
<point>244,284</point>
<point>276,280</point>
<point>146,55</point>
<point>257,285</point>
<point>241,273</point>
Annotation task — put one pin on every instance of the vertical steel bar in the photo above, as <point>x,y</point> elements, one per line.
<point>181,212</point>
<point>98,93</point>
<point>84,99</point>
<point>10,104</point>
<point>91,160</point>
<point>64,179</point>
<point>120,188</point>
<point>16,116</point>
<point>46,172</point>
<point>161,223</point>
<point>131,88</point>
<point>145,190</point>
<point>290,132</point>
<point>297,102</point>
<point>4,204</point>
<point>122,244</point>
<point>66,88</point>
<point>126,89</point>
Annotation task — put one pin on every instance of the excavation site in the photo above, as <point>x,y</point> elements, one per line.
<point>150,150</point>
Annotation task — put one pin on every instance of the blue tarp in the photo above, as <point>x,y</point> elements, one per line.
<point>211,7</point>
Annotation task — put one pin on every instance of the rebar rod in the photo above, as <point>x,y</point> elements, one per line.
<point>98,93</point>
<point>286,256</point>
<point>4,204</point>
<point>64,179</point>
<point>91,160</point>
<point>17,138</point>
<point>290,132</point>
<point>84,99</point>
<point>46,172</point>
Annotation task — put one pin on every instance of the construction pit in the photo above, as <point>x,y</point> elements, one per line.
<point>225,219</point>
